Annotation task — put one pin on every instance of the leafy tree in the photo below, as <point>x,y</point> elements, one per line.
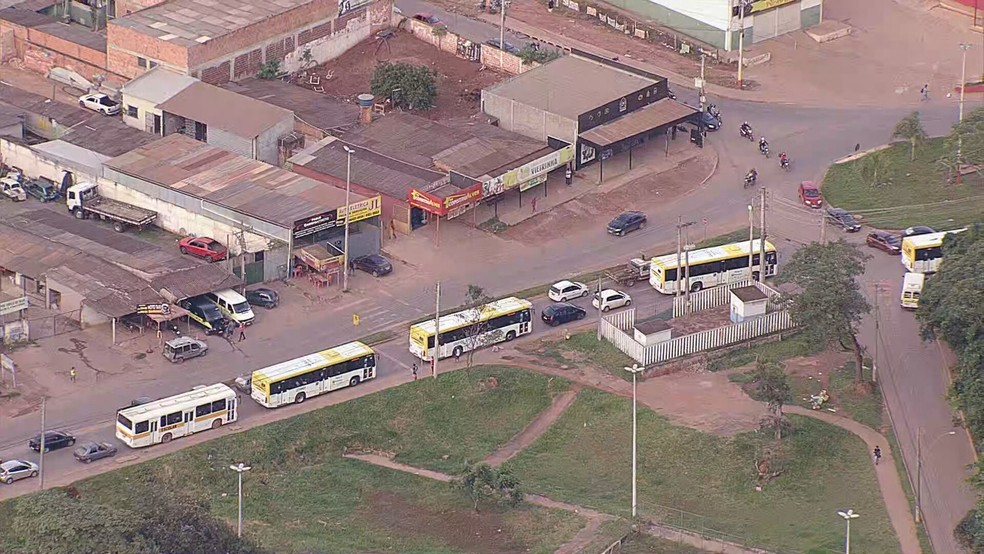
<point>184,524</point>
<point>408,86</point>
<point>482,482</point>
<point>270,70</point>
<point>968,136</point>
<point>829,305</point>
<point>773,387</point>
<point>531,55</point>
<point>910,128</point>
<point>479,334</point>
<point>54,523</point>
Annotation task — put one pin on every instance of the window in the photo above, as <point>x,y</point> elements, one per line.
<point>203,410</point>
<point>153,64</point>
<point>170,419</point>
<point>124,421</point>
<point>142,62</point>
<point>930,253</point>
<point>201,131</point>
<point>218,405</point>
<point>132,111</point>
<point>258,257</point>
<point>141,427</point>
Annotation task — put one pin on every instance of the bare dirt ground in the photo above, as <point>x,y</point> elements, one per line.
<point>701,321</point>
<point>646,193</point>
<point>459,81</point>
<point>707,402</point>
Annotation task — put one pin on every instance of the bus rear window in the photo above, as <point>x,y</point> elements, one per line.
<point>124,421</point>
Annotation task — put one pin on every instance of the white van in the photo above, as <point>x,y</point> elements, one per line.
<point>233,305</point>
<point>912,287</point>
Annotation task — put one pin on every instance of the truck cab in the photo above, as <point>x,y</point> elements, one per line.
<point>77,195</point>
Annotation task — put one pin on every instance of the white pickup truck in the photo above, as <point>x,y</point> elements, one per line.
<point>83,201</point>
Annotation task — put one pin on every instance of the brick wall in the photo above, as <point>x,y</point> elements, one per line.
<point>124,7</point>
<point>124,45</point>
<point>488,55</point>
<point>41,52</point>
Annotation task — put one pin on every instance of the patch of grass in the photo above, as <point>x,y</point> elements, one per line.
<point>738,235</point>
<point>585,458</point>
<point>302,496</point>
<point>910,193</point>
<point>893,443</point>
<point>586,347</point>
<point>379,337</point>
<point>641,543</point>
<point>863,407</point>
<point>775,351</point>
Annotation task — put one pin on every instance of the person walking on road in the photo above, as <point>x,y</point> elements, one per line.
<point>414,370</point>
<point>877,454</point>
<point>533,203</point>
<point>72,374</point>
<point>242,332</point>
<point>924,91</point>
<point>568,175</point>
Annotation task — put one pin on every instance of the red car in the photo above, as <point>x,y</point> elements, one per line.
<point>203,247</point>
<point>810,195</point>
<point>883,240</point>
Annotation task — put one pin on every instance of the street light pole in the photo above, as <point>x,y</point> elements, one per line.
<point>919,464</point>
<point>741,39</point>
<point>963,85</point>
<point>240,468</point>
<point>348,192</point>
<point>848,516</point>
<point>634,370</point>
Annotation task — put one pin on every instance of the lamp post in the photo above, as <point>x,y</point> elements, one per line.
<point>848,516</point>
<point>741,38</point>
<point>348,192</point>
<point>963,85</point>
<point>240,468</point>
<point>634,370</point>
<point>919,468</point>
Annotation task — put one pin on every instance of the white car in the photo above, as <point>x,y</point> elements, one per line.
<point>15,470</point>
<point>610,298</point>
<point>100,103</point>
<point>567,290</point>
<point>11,188</point>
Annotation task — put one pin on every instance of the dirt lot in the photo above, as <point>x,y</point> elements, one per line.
<point>459,81</point>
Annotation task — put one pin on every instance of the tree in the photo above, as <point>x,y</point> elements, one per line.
<point>531,55</point>
<point>478,334</point>
<point>270,70</point>
<point>873,168</point>
<point>772,386</point>
<point>829,304</point>
<point>406,85</point>
<point>968,137</point>
<point>482,482</point>
<point>184,524</point>
<point>910,128</point>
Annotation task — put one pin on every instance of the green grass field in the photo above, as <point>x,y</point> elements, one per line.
<point>709,481</point>
<point>907,193</point>
<point>775,351</point>
<point>584,347</point>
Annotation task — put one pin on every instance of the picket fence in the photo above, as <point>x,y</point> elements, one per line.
<point>720,296</point>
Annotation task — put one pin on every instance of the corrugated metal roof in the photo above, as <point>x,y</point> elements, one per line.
<point>158,85</point>
<point>318,110</point>
<point>407,137</point>
<point>389,176</point>
<point>216,107</point>
<point>111,291</point>
<point>192,282</point>
<point>659,113</point>
<point>248,186</point>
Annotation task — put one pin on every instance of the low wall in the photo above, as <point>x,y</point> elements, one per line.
<point>40,51</point>
<point>487,55</point>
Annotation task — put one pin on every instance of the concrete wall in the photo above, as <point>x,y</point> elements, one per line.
<point>72,301</point>
<point>35,164</point>
<point>527,120</point>
<point>145,111</point>
<point>228,141</point>
<point>268,143</point>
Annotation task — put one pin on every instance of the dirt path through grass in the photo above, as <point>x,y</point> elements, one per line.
<point>534,430</point>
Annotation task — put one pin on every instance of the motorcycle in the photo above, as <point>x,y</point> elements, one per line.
<point>715,112</point>
<point>747,133</point>
<point>749,181</point>
<point>764,149</point>
<point>784,163</point>
<point>173,327</point>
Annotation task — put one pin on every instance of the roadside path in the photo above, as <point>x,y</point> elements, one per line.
<point>535,429</point>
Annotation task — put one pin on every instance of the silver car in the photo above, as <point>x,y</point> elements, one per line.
<point>15,470</point>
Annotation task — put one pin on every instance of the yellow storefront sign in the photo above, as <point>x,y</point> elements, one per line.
<point>762,5</point>
<point>370,207</point>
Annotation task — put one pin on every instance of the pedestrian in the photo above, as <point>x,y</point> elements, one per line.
<point>72,374</point>
<point>457,354</point>
<point>924,91</point>
<point>242,332</point>
<point>352,267</point>
<point>857,147</point>
<point>533,202</point>
<point>414,370</point>
<point>877,454</point>
<point>230,329</point>
<point>568,175</point>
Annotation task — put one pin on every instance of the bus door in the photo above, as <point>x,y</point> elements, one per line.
<point>231,406</point>
<point>524,322</point>
<point>189,422</point>
<point>370,364</point>
<point>153,431</point>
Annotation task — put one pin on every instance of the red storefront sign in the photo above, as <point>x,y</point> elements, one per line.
<point>441,206</point>
<point>466,196</point>
<point>427,202</point>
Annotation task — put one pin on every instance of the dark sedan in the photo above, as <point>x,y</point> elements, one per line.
<point>373,264</point>
<point>843,219</point>
<point>626,222</point>
<point>562,312</point>
<point>494,43</point>
<point>94,451</point>
<point>917,230</point>
<point>710,122</point>
<point>263,297</point>
<point>883,240</point>
<point>53,440</point>
<point>43,189</point>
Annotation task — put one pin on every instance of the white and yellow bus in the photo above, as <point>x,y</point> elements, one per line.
<point>502,320</point>
<point>294,381</point>
<point>924,253</point>
<point>203,407</point>
<point>912,286</point>
<point>710,267</point>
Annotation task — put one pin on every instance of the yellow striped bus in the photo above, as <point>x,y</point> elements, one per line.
<point>924,253</point>
<point>502,320</point>
<point>203,407</point>
<point>710,267</point>
<point>294,381</point>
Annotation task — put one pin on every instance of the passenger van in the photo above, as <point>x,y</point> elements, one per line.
<point>233,305</point>
<point>205,313</point>
<point>183,348</point>
<point>912,287</point>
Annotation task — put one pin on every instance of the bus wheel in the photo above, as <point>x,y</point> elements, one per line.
<point>354,381</point>
<point>696,287</point>
<point>300,398</point>
<point>510,335</point>
<point>755,276</point>
<point>457,352</point>
<point>166,437</point>
<point>216,423</point>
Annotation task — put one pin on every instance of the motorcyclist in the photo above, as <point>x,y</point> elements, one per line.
<point>763,144</point>
<point>783,160</point>
<point>746,129</point>
<point>751,177</point>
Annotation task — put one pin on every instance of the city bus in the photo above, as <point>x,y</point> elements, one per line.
<point>502,320</point>
<point>203,407</point>
<point>710,267</point>
<point>912,286</point>
<point>294,381</point>
<point>924,253</point>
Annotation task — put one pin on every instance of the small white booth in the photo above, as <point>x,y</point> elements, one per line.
<point>653,331</point>
<point>747,303</point>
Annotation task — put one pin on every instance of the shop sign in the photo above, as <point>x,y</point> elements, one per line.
<point>532,183</point>
<point>466,196</point>
<point>315,223</point>
<point>427,202</point>
<point>154,309</point>
<point>762,5</point>
<point>15,305</point>
<point>525,172</point>
<point>370,207</point>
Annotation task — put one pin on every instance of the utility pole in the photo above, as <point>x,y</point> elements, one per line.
<point>702,97</point>
<point>874,362</point>
<point>437,331</point>
<point>762,242</point>
<point>42,445</point>
<point>679,265</point>
<point>348,191</point>
<point>741,40</point>
<point>502,31</point>
<point>963,85</point>
<point>599,311</point>
<point>240,468</point>
<point>751,239</point>
<point>823,228</point>
<point>686,264</point>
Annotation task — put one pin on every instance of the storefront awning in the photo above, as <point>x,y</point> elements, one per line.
<point>662,113</point>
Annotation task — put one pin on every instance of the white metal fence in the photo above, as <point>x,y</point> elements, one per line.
<point>720,296</point>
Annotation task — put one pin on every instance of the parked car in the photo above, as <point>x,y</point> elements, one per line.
<point>710,122</point>
<point>494,42</point>
<point>429,19</point>
<point>15,470</point>
<point>42,188</point>
<point>917,230</point>
<point>94,451</point>
<point>205,314</point>
<point>609,299</point>
<point>263,297</point>
<point>562,291</point>
<point>203,247</point>
<point>374,264</point>
<point>810,195</point>
<point>245,382</point>
<point>884,240</point>
<point>53,440</point>
<point>561,312</point>
<point>626,222</point>
<point>100,103</point>
<point>843,219</point>
<point>183,348</point>
<point>12,189</point>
